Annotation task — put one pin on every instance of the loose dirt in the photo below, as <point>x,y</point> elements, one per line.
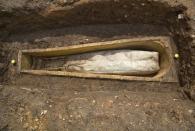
<point>30,102</point>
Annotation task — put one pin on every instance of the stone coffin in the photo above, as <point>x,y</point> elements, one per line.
<point>163,45</point>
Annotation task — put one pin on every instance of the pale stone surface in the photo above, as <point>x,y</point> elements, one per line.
<point>132,62</point>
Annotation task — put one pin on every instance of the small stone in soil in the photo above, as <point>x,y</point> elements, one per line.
<point>180,16</point>
<point>190,111</point>
<point>43,112</point>
<point>93,101</point>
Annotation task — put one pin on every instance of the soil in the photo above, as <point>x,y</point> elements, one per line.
<point>30,102</point>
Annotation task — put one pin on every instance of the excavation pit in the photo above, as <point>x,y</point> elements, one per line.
<point>163,45</point>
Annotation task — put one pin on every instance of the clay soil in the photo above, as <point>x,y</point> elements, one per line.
<point>49,103</point>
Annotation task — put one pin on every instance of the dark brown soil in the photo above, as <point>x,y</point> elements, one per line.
<point>30,102</point>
